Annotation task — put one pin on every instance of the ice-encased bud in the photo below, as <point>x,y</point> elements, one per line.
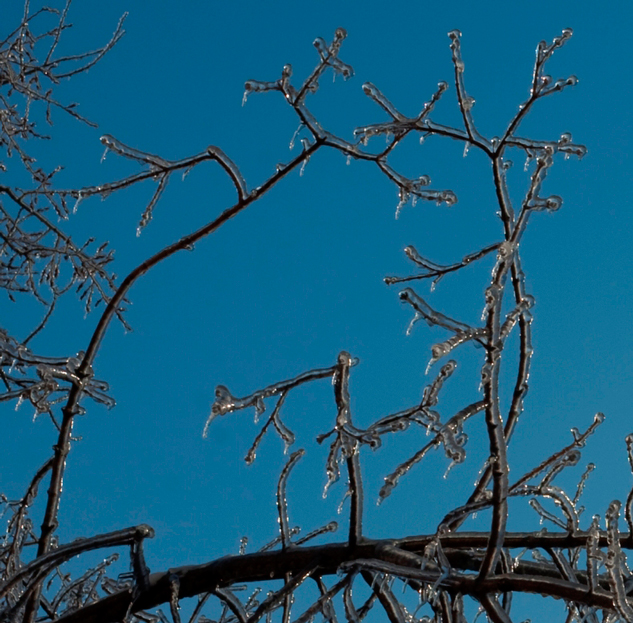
<point>369,89</point>
<point>224,401</point>
<point>439,350</point>
<point>553,203</point>
<point>340,34</point>
<point>448,197</point>
<point>320,45</point>
<point>423,180</point>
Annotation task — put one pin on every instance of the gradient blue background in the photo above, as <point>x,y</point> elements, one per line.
<point>298,276</point>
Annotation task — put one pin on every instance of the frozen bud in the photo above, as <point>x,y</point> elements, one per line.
<point>224,401</point>
<point>423,180</point>
<point>341,34</point>
<point>344,358</point>
<point>320,45</point>
<point>572,457</point>
<point>439,350</point>
<point>553,203</point>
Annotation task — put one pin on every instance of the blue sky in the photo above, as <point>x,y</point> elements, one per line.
<point>298,276</point>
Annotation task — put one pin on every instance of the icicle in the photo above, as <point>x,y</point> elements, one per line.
<point>186,172</point>
<point>414,320</point>
<point>260,408</point>
<point>303,166</point>
<point>448,469</point>
<point>340,507</point>
<point>77,202</point>
<point>294,137</point>
<point>404,198</point>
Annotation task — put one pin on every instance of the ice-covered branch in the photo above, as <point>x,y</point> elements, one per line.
<point>225,402</point>
<point>541,84</point>
<point>282,502</point>
<point>432,317</point>
<point>562,455</point>
<point>450,434</point>
<point>466,102</point>
<point>437,271</point>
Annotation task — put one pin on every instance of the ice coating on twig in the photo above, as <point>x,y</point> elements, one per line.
<point>225,402</point>
<point>332,526</point>
<point>284,432</point>
<point>231,168</point>
<point>328,55</point>
<point>614,561</point>
<point>440,350</point>
<point>507,312</point>
<point>464,100</point>
<point>450,434</point>
<point>431,316</point>
<point>435,271</point>
<point>374,93</point>
<point>566,457</point>
<point>137,155</point>
<point>595,557</point>
<point>563,502</point>
<point>511,319</point>
<point>582,482</point>
<point>148,212</point>
<point>282,503</point>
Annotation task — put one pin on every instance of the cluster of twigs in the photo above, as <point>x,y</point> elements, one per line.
<point>419,578</point>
